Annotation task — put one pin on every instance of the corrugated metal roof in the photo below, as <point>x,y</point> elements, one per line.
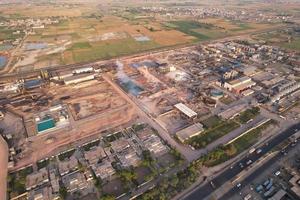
<point>186,110</point>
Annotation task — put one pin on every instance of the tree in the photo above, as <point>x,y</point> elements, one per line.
<point>174,181</point>
<point>107,197</point>
<point>128,175</point>
<point>63,193</point>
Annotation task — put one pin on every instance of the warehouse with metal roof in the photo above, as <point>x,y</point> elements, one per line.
<point>186,110</point>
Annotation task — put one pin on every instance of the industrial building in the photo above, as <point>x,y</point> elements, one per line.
<point>233,111</point>
<point>83,70</point>
<point>78,78</point>
<point>186,110</point>
<point>31,84</point>
<point>285,89</point>
<point>240,84</point>
<point>189,132</point>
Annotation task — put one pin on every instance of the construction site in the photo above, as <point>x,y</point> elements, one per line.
<point>56,112</point>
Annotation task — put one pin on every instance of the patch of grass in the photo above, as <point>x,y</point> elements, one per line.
<point>213,134</point>
<point>241,27</point>
<point>110,49</point>
<point>224,153</point>
<point>7,34</point>
<point>247,115</point>
<point>81,45</point>
<point>294,44</point>
<point>189,28</point>
<point>212,121</point>
<point>226,100</point>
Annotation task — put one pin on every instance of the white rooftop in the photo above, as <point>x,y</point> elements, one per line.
<point>186,110</point>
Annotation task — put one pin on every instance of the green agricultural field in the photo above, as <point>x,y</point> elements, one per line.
<point>247,115</point>
<point>241,27</point>
<point>294,45</point>
<point>105,50</point>
<point>7,34</point>
<point>81,45</point>
<point>192,28</point>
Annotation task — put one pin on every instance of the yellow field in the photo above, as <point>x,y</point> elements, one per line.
<point>230,26</point>
<point>44,11</point>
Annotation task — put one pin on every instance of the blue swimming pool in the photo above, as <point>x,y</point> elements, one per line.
<point>3,61</point>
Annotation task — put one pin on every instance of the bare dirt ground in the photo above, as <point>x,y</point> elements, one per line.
<point>3,167</point>
<point>103,117</point>
<point>42,146</point>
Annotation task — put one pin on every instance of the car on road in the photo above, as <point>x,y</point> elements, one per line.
<point>283,152</point>
<point>252,150</point>
<point>258,151</point>
<point>249,162</point>
<point>282,117</point>
<point>212,184</point>
<point>241,165</point>
<point>238,185</point>
<point>277,173</point>
<point>259,188</point>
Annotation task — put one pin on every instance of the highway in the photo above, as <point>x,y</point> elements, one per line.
<point>258,171</point>
<point>212,184</point>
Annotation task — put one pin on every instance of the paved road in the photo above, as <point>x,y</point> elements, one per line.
<point>256,173</point>
<point>230,173</point>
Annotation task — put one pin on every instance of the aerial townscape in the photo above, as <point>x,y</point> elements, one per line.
<point>149,100</point>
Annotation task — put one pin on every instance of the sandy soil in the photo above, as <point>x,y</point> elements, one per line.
<point>3,167</point>
<point>45,145</point>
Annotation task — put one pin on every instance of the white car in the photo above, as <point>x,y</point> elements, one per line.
<point>258,151</point>
<point>249,162</point>
<point>277,173</point>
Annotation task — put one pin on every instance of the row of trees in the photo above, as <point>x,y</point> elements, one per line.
<point>169,187</point>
